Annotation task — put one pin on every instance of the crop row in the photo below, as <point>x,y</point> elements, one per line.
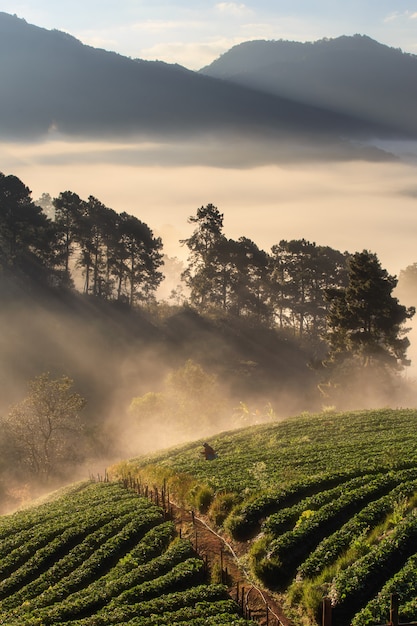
<point>297,447</point>
<point>288,550</point>
<point>25,545</point>
<point>285,518</point>
<point>326,483</point>
<point>102,558</point>
<point>355,585</point>
<point>84,497</point>
<point>48,584</point>
<point>333,546</point>
<point>102,590</point>
<point>125,606</point>
<point>194,603</point>
<point>246,517</point>
<point>404,584</point>
<point>114,562</point>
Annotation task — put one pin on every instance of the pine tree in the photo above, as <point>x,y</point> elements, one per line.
<point>365,319</point>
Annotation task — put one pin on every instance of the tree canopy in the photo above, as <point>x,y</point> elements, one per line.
<point>365,319</point>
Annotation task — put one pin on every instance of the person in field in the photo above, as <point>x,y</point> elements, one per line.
<point>208,452</point>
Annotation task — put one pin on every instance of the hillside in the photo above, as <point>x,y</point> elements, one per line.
<point>354,75</point>
<point>327,502</point>
<point>114,353</point>
<point>54,86</point>
<point>317,505</point>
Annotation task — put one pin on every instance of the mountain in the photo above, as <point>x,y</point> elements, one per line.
<point>352,75</point>
<point>53,84</point>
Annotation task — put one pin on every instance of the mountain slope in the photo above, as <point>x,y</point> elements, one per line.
<point>355,75</point>
<point>52,84</point>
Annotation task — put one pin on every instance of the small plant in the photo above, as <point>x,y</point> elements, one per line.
<point>216,574</point>
<point>305,515</point>
<point>222,504</point>
<point>399,511</point>
<point>202,498</point>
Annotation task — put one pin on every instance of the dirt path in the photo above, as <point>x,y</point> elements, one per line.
<point>221,558</point>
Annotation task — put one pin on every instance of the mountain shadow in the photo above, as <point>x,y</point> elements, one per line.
<point>53,85</point>
<point>354,75</point>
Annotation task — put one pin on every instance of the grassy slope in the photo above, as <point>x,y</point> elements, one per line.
<point>303,470</point>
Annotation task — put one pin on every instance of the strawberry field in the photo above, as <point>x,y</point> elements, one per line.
<point>325,505</point>
<point>99,554</point>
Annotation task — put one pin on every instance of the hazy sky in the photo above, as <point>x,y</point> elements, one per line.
<point>195,32</point>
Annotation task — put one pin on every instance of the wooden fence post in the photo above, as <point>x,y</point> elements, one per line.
<point>393,614</point>
<point>327,612</point>
<point>221,566</point>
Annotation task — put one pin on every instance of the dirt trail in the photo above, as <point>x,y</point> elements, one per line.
<point>220,555</point>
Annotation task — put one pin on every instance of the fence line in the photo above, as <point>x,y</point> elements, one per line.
<point>161,497</point>
<point>268,609</point>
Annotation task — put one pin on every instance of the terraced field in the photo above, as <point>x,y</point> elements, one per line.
<point>328,502</point>
<point>97,554</point>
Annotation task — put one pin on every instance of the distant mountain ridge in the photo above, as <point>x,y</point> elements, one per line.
<point>52,83</point>
<point>353,75</point>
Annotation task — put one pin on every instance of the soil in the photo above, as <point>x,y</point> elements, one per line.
<point>220,555</point>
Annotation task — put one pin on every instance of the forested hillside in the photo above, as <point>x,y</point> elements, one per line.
<point>355,74</point>
<point>247,336</point>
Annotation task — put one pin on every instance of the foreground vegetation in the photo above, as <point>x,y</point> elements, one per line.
<point>328,501</point>
<point>99,554</point>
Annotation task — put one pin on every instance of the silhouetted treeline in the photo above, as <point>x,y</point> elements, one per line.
<point>116,254</point>
<point>84,245</point>
<point>285,288</point>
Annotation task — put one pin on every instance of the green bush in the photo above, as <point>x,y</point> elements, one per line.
<point>221,506</point>
<point>202,498</point>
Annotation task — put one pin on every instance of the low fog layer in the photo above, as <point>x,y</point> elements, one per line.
<point>351,205</point>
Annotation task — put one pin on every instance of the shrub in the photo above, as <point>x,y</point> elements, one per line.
<point>202,498</point>
<point>222,504</point>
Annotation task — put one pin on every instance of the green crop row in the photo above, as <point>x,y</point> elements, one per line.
<point>55,535</point>
<point>356,585</point>
<point>183,575</point>
<point>199,598</point>
<point>333,546</point>
<point>297,482</point>
<point>360,442</point>
<point>404,584</point>
<point>82,548</point>
<point>247,516</point>
<point>289,549</point>
<point>104,556</point>
<point>104,589</point>
<point>287,517</point>
<point>86,496</point>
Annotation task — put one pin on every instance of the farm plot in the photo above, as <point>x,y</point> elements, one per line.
<point>328,502</point>
<point>102,555</point>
